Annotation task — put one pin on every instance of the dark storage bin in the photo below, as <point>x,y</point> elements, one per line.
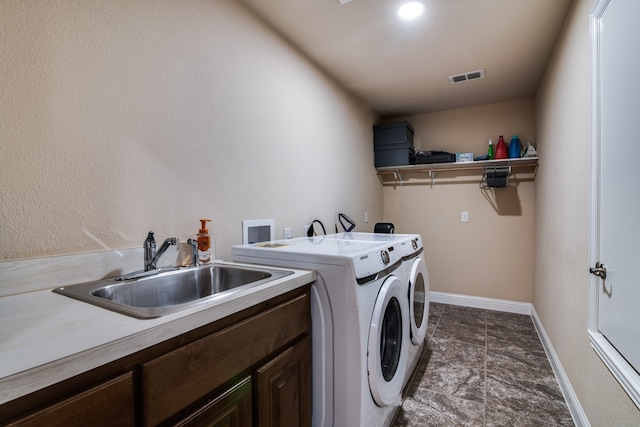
<point>398,157</point>
<point>392,133</point>
<point>393,144</point>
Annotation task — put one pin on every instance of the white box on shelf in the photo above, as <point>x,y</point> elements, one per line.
<point>464,157</point>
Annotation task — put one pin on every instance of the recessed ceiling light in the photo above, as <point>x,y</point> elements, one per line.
<point>411,10</point>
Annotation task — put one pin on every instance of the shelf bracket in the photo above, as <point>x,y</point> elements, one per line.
<point>398,177</point>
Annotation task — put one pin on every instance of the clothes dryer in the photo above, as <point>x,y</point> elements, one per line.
<point>417,279</point>
<point>359,324</point>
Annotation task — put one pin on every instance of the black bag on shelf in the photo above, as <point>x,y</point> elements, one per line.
<point>426,157</point>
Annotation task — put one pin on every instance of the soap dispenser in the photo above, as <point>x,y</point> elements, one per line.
<point>204,242</point>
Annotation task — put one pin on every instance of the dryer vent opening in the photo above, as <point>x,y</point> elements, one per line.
<point>471,75</point>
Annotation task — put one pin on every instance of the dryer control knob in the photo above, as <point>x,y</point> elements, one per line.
<point>385,257</point>
<point>414,243</point>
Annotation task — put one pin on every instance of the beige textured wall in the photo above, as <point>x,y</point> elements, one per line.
<point>492,255</point>
<point>120,117</point>
<point>561,281</point>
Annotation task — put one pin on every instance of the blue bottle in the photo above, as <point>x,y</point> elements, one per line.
<point>515,147</point>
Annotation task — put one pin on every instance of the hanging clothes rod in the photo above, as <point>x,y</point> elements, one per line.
<point>399,172</point>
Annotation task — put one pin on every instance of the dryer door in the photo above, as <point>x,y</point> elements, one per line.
<point>388,343</point>
<point>418,300</point>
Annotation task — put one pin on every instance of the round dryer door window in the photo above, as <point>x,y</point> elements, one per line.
<point>418,300</point>
<point>388,343</point>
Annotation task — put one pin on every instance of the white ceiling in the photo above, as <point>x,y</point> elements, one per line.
<point>402,67</point>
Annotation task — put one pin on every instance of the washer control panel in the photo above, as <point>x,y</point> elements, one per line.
<point>386,259</point>
<point>376,260</point>
<point>411,247</point>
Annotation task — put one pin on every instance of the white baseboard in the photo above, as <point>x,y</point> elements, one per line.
<point>481,302</point>
<point>579,417</point>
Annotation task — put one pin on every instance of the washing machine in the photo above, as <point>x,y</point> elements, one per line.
<point>416,279</point>
<point>360,338</point>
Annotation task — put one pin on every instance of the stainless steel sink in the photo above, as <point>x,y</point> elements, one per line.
<point>167,292</point>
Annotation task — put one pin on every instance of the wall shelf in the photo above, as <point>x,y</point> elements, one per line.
<point>523,169</point>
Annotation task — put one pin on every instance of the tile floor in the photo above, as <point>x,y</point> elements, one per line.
<point>482,368</point>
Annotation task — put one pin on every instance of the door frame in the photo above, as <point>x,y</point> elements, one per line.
<point>624,373</point>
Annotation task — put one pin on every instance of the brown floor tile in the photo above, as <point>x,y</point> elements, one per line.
<point>482,368</point>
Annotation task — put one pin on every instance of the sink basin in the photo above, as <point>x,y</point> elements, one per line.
<point>167,292</point>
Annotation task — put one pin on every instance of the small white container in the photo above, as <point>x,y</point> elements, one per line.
<point>464,157</point>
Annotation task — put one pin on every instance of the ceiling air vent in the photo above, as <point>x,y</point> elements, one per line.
<point>471,75</point>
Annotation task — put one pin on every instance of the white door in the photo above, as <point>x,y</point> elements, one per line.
<point>418,301</point>
<point>387,354</point>
<point>617,176</point>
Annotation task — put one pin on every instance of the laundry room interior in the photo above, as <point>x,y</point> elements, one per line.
<point>491,255</point>
<point>123,117</point>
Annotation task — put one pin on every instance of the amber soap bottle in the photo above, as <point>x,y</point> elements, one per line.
<point>204,242</point>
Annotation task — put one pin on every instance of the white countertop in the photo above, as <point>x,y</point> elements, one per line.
<point>46,337</point>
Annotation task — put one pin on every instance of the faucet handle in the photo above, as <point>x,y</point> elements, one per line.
<point>149,250</point>
<point>150,238</point>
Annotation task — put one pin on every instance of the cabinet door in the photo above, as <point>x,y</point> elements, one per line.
<point>109,404</point>
<point>284,388</point>
<point>175,381</point>
<point>231,409</point>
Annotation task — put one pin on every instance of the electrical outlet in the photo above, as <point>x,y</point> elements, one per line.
<point>287,233</point>
<point>306,229</point>
<point>366,217</point>
<point>464,216</point>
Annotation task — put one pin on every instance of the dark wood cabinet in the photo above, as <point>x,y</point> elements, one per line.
<point>231,409</point>
<point>284,388</point>
<point>179,379</point>
<point>108,404</point>
<point>251,368</point>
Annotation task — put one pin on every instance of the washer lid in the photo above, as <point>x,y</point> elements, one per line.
<point>410,245</point>
<point>387,356</point>
<point>367,258</point>
<point>418,300</point>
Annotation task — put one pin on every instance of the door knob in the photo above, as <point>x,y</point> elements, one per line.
<point>600,270</point>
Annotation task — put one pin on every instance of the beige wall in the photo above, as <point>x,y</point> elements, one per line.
<point>561,281</point>
<point>128,116</point>
<point>492,255</point>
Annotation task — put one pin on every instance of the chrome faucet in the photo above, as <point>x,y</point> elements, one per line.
<point>151,257</point>
<point>195,260</point>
